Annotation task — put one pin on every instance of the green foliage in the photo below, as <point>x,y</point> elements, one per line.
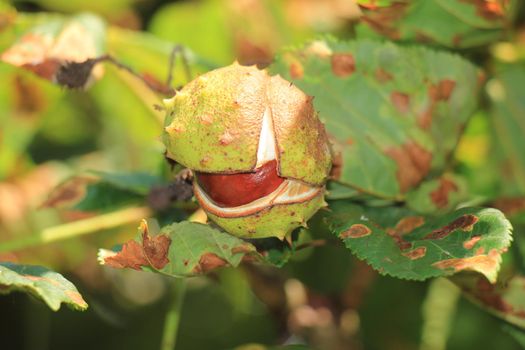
<point>102,192</point>
<point>42,283</point>
<point>395,113</point>
<point>405,170</point>
<point>187,249</point>
<point>468,23</point>
<point>398,243</point>
<point>508,110</point>
<point>438,195</point>
<point>504,299</point>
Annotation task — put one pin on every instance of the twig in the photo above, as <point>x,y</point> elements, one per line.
<point>77,228</point>
<point>131,71</point>
<point>312,244</point>
<point>172,320</point>
<point>439,309</point>
<point>178,49</point>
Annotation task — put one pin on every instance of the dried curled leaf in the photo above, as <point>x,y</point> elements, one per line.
<point>399,243</point>
<point>52,47</point>
<point>51,287</point>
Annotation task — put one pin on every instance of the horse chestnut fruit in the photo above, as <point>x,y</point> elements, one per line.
<point>258,150</point>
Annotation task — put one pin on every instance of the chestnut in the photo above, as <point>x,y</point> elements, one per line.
<point>257,147</point>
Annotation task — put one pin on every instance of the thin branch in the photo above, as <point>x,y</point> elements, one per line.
<point>78,228</point>
<point>172,320</point>
<point>313,243</point>
<point>178,50</point>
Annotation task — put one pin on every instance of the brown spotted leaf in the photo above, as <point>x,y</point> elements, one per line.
<point>99,191</point>
<point>51,287</point>
<point>505,299</point>
<point>438,195</point>
<point>469,23</point>
<point>398,242</point>
<point>394,113</point>
<point>180,250</point>
<point>508,124</point>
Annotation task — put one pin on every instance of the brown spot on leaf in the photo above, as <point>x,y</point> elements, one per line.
<point>401,101</point>
<point>384,19</point>
<point>209,262</point>
<point>436,93</point>
<point>153,252</point>
<point>465,222</point>
<point>413,164</point>
<point>409,224</point>
<point>490,10</point>
<point>469,244</point>
<point>479,251</point>
<point>382,75</point>
<point>296,70</point>
<point>403,227</point>
<point>440,195</point>
<point>68,193</point>
<point>42,279</point>
<point>355,231</point>
<point>486,264</point>
<point>442,90</point>
<point>415,254</point>
<point>343,64</point>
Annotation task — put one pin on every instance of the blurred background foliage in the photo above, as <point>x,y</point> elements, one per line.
<point>324,296</point>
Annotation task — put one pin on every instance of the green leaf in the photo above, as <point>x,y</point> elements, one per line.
<point>102,192</point>
<point>24,101</point>
<point>504,299</point>
<point>149,54</point>
<point>394,113</point>
<point>51,287</point>
<point>438,195</point>
<point>396,242</point>
<point>180,250</point>
<point>187,249</point>
<point>517,334</point>
<point>202,26</point>
<point>137,182</point>
<point>468,23</point>
<point>508,123</point>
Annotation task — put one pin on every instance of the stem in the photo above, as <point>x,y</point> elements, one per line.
<point>77,228</point>
<point>178,49</point>
<point>171,323</point>
<point>312,244</point>
<point>439,309</point>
